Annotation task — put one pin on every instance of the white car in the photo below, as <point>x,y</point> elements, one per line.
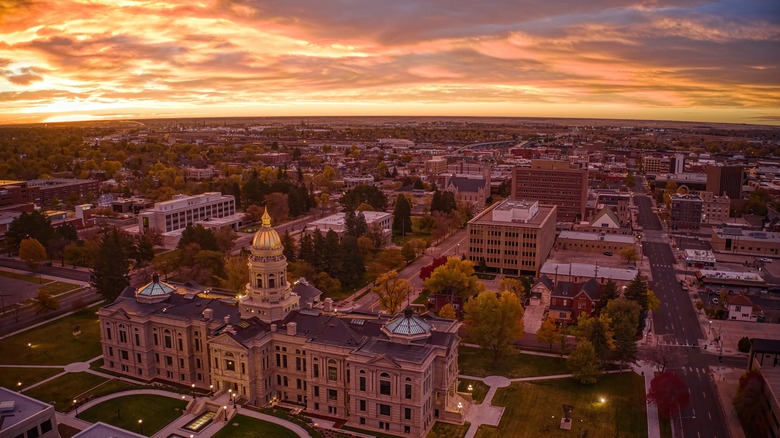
<point>765,260</point>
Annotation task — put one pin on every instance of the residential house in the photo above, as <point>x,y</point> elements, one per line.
<point>568,300</point>
<point>742,309</point>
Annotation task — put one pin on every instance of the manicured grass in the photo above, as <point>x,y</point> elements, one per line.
<point>10,377</point>
<point>30,278</point>
<point>54,343</point>
<point>479,389</point>
<point>370,432</point>
<point>297,419</point>
<point>242,426</point>
<point>155,411</point>
<point>446,430</point>
<point>58,287</point>
<point>476,362</point>
<point>534,409</point>
<point>63,390</point>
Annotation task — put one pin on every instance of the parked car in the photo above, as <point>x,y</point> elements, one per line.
<point>765,260</point>
<point>607,253</point>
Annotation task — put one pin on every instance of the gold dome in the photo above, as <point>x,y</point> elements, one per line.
<point>266,238</point>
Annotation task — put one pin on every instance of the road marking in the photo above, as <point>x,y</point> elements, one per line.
<point>709,415</point>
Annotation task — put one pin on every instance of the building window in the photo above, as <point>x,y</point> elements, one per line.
<point>362,405</point>
<point>316,369</point>
<point>332,372</point>
<point>384,384</point>
<point>137,340</point>
<point>108,333</point>
<point>384,409</point>
<point>362,383</point>
<point>169,361</point>
<point>333,394</point>
<point>316,391</point>
<point>110,351</point>
<point>408,391</point>
<point>46,426</point>
<point>407,414</point>
<point>407,429</point>
<point>362,420</point>
<point>33,433</point>
<point>122,336</point>
<point>230,365</point>
<point>168,340</point>
<point>156,340</point>
<point>138,357</point>
<point>123,354</point>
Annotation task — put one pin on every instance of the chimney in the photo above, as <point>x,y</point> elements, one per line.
<point>309,305</point>
<point>328,305</point>
<point>292,328</point>
<point>273,327</point>
<point>226,319</point>
<point>208,314</point>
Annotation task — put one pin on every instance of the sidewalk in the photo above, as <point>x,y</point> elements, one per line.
<point>726,382</point>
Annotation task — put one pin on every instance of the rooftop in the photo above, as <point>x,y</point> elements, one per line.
<point>510,207</point>
<point>16,408</point>
<point>103,430</point>
<point>605,237</point>
<point>585,270</point>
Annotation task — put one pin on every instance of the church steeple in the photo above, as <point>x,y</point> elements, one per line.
<point>268,294</point>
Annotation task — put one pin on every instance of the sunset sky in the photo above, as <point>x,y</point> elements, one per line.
<point>63,60</point>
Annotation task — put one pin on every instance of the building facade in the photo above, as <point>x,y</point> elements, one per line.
<point>512,237</point>
<point>396,374</point>
<point>738,241</point>
<point>183,211</point>
<point>715,209</point>
<point>553,182</point>
<point>686,212</point>
<point>725,179</point>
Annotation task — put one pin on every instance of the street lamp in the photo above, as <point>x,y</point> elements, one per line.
<point>141,425</point>
<point>460,406</point>
<point>76,406</point>
<point>471,388</point>
<point>225,408</point>
<point>603,400</point>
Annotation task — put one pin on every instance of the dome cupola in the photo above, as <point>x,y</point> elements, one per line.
<point>266,241</point>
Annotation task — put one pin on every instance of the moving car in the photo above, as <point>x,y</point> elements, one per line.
<point>607,253</point>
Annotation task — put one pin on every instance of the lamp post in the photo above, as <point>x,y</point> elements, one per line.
<point>211,389</point>
<point>225,409</point>
<point>76,406</point>
<point>141,425</point>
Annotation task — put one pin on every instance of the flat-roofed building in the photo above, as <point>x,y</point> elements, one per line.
<point>715,209</point>
<point>553,182</point>
<point>436,165</point>
<point>699,258</point>
<point>337,223</point>
<point>651,164</point>
<point>575,272</point>
<point>26,417</point>
<point>350,182</point>
<point>686,212</point>
<point>735,240</point>
<point>594,241</point>
<point>512,237</point>
<point>765,358</point>
<point>182,211</point>
<point>725,179</point>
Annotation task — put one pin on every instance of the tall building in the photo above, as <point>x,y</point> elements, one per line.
<point>390,373</point>
<point>725,179</point>
<point>677,164</point>
<point>512,237</point>
<point>553,182</point>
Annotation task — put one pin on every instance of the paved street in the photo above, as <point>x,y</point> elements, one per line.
<point>677,325</point>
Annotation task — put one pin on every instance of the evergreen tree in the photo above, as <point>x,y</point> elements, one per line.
<point>235,190</point>
<point>288,243</point>
<point>349,223</point>
<point>353,263</point>
<point>361,226</point>
<point>319,256</point>
<point>637,291</point>
<point>110,274</point>
<point>402,216</point>
<point>306,248</point>
<point>436,201</point>
<point>333,258</point>
<point>608,293</point>
<point>29,225</point>
<point>204,237</point>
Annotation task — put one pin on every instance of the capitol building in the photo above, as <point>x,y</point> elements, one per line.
<point>277,343</point>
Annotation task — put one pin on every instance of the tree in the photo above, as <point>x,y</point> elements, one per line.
<point>511,285</point>
<point>447,311</point>
<point>253,213</point>
<point>624,314</point>
<point>370,195</point>
<point>111,265</point>
<point>427,270</point>
<point>200,235</point>
<point>548,332</point>
<point>29,225</point>
<point>637,291</point>
<point>669,393</point>
<point>629,254</point>
<point>494,321</point>
<point>236,275</point>
<point>608,293</point>
<point>402,216</point>
<point>408,252</point>
<point>278,206</point>
<point>584,363</point>
<point>290,248</point>
<point>32,253</point>
<point>750,404</point>
<point>598,332</point>
<point>353,262</point>
<point>327,284</point>
<point>355,223</point>
<point>392,291</point>
<point>744,344</point>
<point>455,278</point>
<point>44,302</point>
<point>225,237</point>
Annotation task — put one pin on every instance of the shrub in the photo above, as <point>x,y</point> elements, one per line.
<point>744,345</point>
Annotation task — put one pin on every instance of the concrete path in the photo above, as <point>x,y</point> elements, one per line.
<point>485,412</point>
<point>653,425</point>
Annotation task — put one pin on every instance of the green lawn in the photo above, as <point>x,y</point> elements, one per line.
<point>155,411</point>
<point>63,390</point>
<point>29,277</point>
<point>476,362</point>
<point>54,343</point>
<point>242,426</point>
<point>479,389</point>
<point>10,377</point>
<point>58,287</point>
<point>446,430</point>
<point>534,409</point>
<point>369,432</point>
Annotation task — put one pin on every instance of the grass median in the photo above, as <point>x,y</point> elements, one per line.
<point>155,411</point>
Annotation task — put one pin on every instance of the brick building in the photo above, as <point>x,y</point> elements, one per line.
<point>553,182</point>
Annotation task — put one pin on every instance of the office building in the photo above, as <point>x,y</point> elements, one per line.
<point>211,209</point>
<point>512,237</point>
<point>686,212</point>
<point>722,179</point>
<point>553,182</point>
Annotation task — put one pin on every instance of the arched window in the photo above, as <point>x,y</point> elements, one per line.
<point>271,281</point>
<point>408,388</point>
<point>384,384</point>
<point>122,333</point>
<point>168,339</point>
<point>332,370</point>
<point>259,280</point>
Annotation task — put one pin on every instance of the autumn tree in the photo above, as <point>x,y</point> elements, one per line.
<point>512,285</point>
<point>225,237</point>
<point>608,293</point>
<point>253,213</point>
<point>278,206</point>
<point>32,253</point>
<point>494,321</point>
<point>392,291</point>
<point>584,364</point>
<point>45,302</point>
<point>370,195</point>
<point>427,270</point>
<point>669,393</point>
<point>455,278</point>
<point>638,292</point>
<point>236,275</point>
<point>549,332</point>
<point>447,311</point>
<point>598,332</point>
<point>629,254</point>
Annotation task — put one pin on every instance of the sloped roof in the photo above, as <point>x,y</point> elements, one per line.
<point>467,184</point>
<point>606,211</point>
<point>544,281</point>
<point>566,289</point>
<point>156,288</point>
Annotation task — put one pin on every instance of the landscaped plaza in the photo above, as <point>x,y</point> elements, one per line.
<point>51,363</point>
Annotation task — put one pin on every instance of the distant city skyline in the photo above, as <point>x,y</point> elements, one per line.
<point>705,60</point>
